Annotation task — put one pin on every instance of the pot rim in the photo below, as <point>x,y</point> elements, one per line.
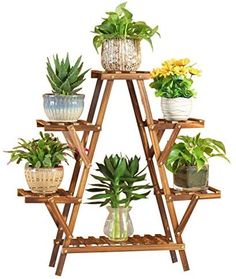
<point>33,168</point>
<point>64,96</point>
<point>176,98</point>
<point>206,166</point>
<point>129,207</point>
<point>123,39</point>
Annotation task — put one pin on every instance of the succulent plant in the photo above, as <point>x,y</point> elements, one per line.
<point>64,78</point>
<point>117,185</point>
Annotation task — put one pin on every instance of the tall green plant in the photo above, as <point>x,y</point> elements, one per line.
<point>120,24</point>
<point>117,185</point>
<point>194,151</point>
<point>64,78</point>
<point>45,152</point>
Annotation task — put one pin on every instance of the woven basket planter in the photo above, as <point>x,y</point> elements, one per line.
<point>44,180</point>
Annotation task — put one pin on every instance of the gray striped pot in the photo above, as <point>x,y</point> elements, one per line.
<point>176,109</point>
<point>63,107</point>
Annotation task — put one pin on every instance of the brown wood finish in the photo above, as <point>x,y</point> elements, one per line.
<point>65,220</point>
<point>150,163</point>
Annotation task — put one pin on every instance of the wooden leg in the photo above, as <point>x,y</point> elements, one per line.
<point>76,171</point>
<point>85,173</point>
<point>151,167</point>
<point>164,181</point>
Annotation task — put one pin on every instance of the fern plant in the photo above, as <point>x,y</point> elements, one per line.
<point>64,78</point>
<point>120,25</point>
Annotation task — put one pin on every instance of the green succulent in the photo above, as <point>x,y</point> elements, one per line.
<point>194,151</point>
<point>64,78</point>
<point>120,25</point>
<point>117,184</point>
<point>45,152</point>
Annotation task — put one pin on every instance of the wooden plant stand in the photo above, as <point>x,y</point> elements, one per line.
<point>151,132</point>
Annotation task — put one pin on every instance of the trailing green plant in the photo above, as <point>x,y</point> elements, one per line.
<point>194,151</point>
<point>174,79</point>
<point>45,152</point>
<point>64,78</point>
<point>120,25</point>
<point>117,185</point>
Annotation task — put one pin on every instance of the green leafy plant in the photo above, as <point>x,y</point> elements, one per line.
<point>174,79</point>
<point>46,152</point>
<point>64,78</point>
<point>120,25</point>
<point>194,151</point>
<point>117,185</point>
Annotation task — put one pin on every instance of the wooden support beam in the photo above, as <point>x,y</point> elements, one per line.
<point>187,215</point>
<point>58,216</point>
<point>164,154</point>
<point>78,145</point>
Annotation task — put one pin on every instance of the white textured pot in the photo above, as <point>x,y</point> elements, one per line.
<point>176,109</point>
<point>121,55</point>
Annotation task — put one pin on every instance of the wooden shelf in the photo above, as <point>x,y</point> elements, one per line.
<point>177,195</point>
<point>162,124</point>
<point>61,196</point>
<point>80,125</point>
<point>134,243</point>
<point>139,75</point>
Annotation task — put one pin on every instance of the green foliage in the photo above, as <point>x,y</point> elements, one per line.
<point>120,24</point>
<point>64,78</point>
<point>117,184</point>
<point>46,152</point>
<point>194,151</point>
<point>173,87</point>
<point>174,79</point>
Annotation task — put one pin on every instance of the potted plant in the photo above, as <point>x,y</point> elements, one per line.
<point>117,188</point>
<point>119,36</point>
<point>64,103</point>
<point>188,161</point>
<point>43,156</point>
<point>173,83</point>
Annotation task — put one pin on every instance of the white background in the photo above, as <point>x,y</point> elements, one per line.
<point>202,30</point>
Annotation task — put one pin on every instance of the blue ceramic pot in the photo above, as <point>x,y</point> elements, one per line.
<point>63,107</point>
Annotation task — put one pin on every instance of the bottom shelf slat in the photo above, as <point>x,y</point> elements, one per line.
<point>135,243</point>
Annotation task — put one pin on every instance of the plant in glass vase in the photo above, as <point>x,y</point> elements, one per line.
<point>173,83</point>
<point>117,188</point>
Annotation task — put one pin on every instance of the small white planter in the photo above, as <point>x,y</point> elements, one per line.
<point>176,109</point>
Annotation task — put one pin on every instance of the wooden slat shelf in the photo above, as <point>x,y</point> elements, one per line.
<point>80,125</point>
<point>211,193</point>
<point>134,243</point>
<point>139,75</point>
<point>61,196</point>
<point>162,124</point>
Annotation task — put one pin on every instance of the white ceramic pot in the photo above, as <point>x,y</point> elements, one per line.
<point>121,55</point>
<point>64,108</point>
<point>44,180</point>
<point>176,109</point>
